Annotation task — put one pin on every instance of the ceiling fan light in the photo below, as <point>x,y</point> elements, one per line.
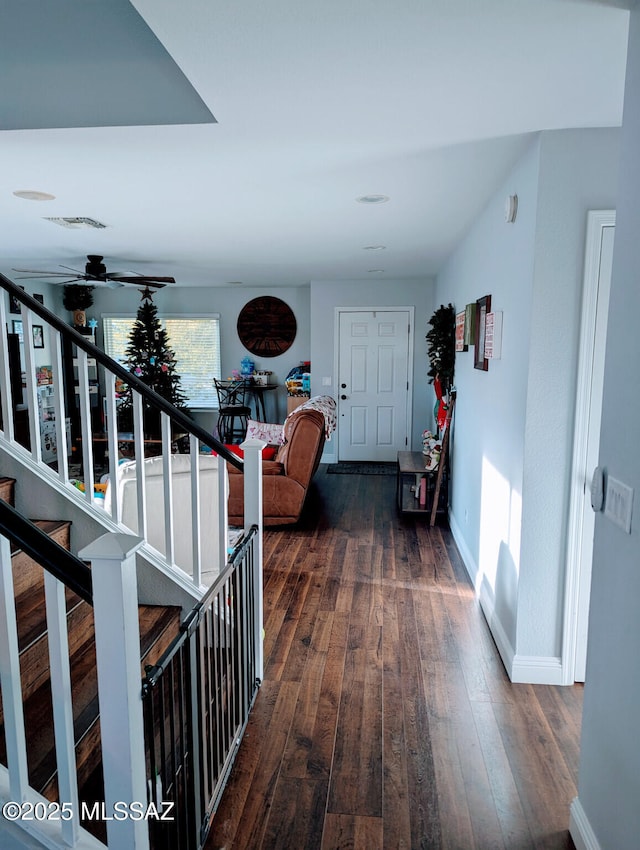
<point>33,195</point>
<point>372,199</point>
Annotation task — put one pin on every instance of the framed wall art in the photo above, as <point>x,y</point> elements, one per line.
<point>470,324</point>
<point>38,338</point>
<point>460,323</point>
<point>17,328</point>
<point>483,306</point>
<point>15,306</point>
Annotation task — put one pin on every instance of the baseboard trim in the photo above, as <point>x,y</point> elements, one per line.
<point>523,669</point>
<point>507,653</point>
<point>537,670</point>
<point>580,829</point>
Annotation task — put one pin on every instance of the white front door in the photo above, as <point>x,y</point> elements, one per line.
<point>373,384</point>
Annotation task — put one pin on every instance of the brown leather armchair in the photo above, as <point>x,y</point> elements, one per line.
<point>285,479</point>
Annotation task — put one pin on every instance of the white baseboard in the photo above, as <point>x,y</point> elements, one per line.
<point>503,643</point>
<point>580,829</point>
<point>467,558</point>
<point>537,670</point>
<point>526,669</point>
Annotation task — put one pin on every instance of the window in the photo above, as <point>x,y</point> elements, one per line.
<point>195,341</point>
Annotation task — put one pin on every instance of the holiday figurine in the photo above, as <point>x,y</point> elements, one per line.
<point>432,450</point>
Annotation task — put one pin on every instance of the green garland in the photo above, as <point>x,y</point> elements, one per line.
<point>441,341</point>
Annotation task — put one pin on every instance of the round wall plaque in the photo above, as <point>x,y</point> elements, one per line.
<point>266,326</point>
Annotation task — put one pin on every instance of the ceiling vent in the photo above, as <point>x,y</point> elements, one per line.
<point>77,222</point>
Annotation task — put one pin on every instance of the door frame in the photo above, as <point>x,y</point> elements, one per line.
<point>378,308</point>
<point>597,221</point>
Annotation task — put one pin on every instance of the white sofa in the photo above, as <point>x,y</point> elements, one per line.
<point>181,490</point>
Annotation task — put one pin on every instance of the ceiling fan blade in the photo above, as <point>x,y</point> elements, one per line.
<point>141,279</point>
<point>41,273</point>
<point>96,275</point>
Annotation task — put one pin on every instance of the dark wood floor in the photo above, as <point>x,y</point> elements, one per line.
<point>385,719</point>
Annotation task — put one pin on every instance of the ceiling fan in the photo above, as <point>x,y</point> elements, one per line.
<point>96,274</point>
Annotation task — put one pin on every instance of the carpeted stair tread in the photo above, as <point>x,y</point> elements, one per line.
<point>159,625</point>
<point>7,487</point>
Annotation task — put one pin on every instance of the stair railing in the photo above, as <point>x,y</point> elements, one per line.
<point>196,703</point>
<point>57,823</point>
<point>27,441</point>
<point>168,746</point>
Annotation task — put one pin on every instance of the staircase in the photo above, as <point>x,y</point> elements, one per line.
<point>141,749</point>
<point>159,625</point>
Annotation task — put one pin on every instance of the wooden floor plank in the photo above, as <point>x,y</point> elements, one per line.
<point>386,720</point>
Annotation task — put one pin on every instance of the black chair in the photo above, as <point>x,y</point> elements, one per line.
<point>233,412</point>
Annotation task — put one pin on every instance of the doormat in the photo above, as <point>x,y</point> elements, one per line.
<point>361,468</point>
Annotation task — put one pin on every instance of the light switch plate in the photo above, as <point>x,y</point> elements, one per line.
<point>618,503</point>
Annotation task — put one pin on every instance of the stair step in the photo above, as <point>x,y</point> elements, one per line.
<point>7,488</point>
<point>26,573</point>
<point>159,625</point>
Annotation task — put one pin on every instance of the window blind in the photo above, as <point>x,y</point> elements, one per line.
<point>195,341</point>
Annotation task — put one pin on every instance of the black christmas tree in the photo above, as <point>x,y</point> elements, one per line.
<point>151,359</point>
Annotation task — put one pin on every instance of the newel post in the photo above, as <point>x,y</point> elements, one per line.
<point>115,605</point>
<point>253,516</point>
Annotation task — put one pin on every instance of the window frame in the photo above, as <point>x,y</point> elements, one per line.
<point>163,318</point>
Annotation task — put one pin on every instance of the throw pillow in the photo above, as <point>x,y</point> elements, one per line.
<point>270,433</point>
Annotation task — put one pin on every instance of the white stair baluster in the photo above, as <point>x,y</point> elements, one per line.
<point>58,404</point>
<point>141,486</point>
<point>168,489</point>
<point>10,680</point>
<point>32,385</point>
<point>5,375</point>
<point>195,509</point>
<point>58,640</point>
<point>85,425</point>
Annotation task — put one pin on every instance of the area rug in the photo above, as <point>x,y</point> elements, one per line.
<point>361,468</point>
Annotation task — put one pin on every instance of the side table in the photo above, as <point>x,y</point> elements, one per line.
<point>409,475</point>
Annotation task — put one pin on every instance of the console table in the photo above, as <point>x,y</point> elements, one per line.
<point>409,475</point>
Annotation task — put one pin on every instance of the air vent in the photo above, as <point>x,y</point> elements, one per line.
<point>77,222</point>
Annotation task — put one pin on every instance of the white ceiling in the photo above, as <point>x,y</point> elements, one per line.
<point>316,103</point>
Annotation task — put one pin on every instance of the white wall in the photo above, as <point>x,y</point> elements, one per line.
<point>496,258</point>
<point>228,302</point>
<point>514,423</point>
<point>578,172</point>
<point>325,297</point>
<point>52,298</point>
<point>607,811</point>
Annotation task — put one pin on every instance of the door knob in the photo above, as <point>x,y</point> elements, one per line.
<point>344,386</point>
<point>343,397</point>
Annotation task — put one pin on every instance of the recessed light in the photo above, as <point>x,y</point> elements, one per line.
<point>32,195</point>
<point>374,247</point>
<point>372,199</point>
<point>235,283</point>
<point>375,271</point>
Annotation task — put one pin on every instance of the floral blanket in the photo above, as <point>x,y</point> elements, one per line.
<point>327,406</point>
